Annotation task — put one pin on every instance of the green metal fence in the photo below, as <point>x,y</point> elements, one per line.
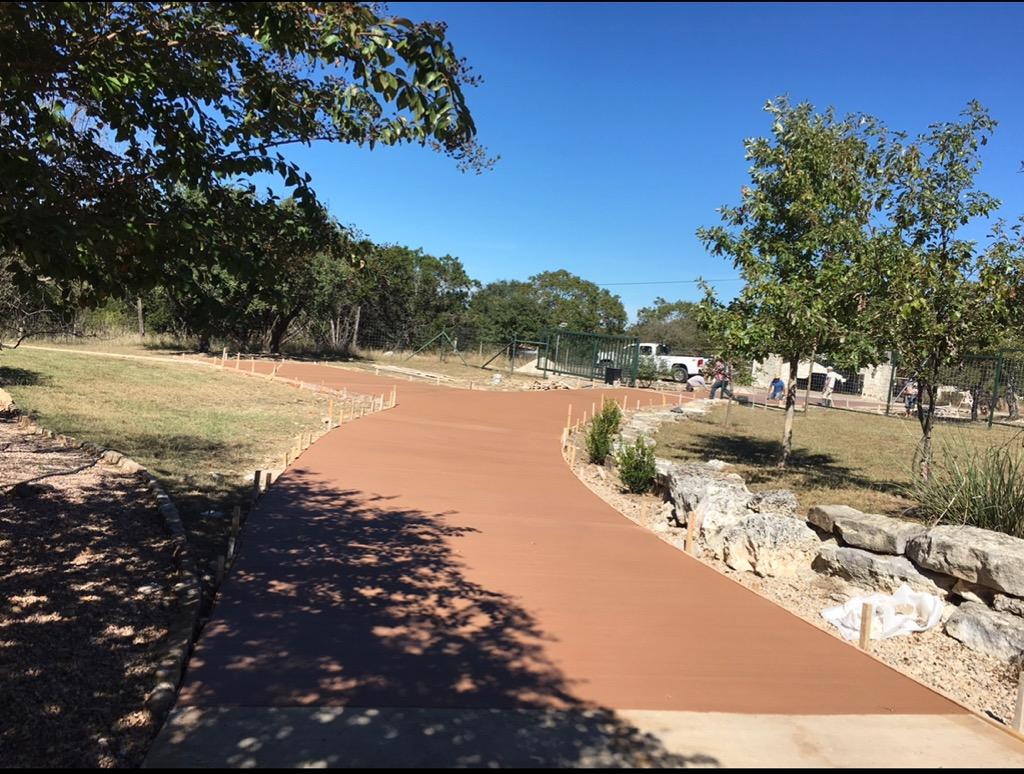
<point>984,388</point>
<point>589,355</point>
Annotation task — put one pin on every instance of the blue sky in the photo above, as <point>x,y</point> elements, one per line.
<point>620,127</point>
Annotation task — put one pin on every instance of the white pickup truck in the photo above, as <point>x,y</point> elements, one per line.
<point>682,367</point>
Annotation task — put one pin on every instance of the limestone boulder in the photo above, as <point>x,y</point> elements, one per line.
<point>994,633</point>
<point>774,501</point>
<point>980,556</point>
<point>1007,604</point>
<point>824,516</point>
<point>883,572</point>
<point>769,544</point>
<point>870,531</point>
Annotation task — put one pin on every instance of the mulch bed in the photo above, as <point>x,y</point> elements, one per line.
<point>86,603</point>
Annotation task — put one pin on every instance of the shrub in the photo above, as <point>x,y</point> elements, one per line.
<point>649,370</point>
<point>636,466</point>
<point>602,430</point>
<point>980,488</point>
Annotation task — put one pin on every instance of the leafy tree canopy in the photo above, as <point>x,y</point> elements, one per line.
<point>675,323</point>
<point>107,106</point>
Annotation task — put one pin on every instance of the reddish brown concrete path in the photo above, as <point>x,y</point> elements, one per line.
<point>441,556</point>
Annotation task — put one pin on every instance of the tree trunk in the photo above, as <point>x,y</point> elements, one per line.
<point>975,398</point>
<point>142,320</point>
<point>355,327</point>
<point>926,418</point>
<point>787,431</point>
<point>1011,402</point>
<point>277,333</point>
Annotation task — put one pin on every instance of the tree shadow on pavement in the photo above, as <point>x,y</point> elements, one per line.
<point>351,623</point>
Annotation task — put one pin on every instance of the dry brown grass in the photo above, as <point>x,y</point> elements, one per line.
<point>861,460</point>
<point>202,432</point>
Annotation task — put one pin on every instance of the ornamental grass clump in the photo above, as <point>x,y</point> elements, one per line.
<point>977,487</point>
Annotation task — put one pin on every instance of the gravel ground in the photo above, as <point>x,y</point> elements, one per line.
<point>86,577</point>
<point>986,685</point>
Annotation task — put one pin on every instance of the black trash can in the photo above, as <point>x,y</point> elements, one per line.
<point>612,375</point>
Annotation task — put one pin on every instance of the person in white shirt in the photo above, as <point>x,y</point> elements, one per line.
<point>831,377</point>
<point>696,382</point>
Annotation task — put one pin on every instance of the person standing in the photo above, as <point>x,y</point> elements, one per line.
<point>831,377</point>
<point>720,379</point>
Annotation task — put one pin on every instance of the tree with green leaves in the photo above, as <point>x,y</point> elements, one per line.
<point>108,106</point>
<point>505,310</point>
<point>577,303</point>
<point>798,239</point>
<point>932,296</point>
<point>673,323</point>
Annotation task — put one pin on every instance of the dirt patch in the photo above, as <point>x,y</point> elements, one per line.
<point>986,685</point>
<point>86,604</point>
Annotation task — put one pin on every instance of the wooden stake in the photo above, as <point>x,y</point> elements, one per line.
<point>238,360</point>
<point>568,417</point>
<point>267,478</point>
<point>287,458</point>
<point>593,409</point>
<point>256,480</point>
<point>623,402</point>
<point>236,519</point>
<point>565,436</point>
<point>664,399</point>
<point>252,365</point>
<point>867,613</point>
<point>637,404</point>
<point>691,528</point>
<point>224,357</point>
<point>330,413</point>
<point>1018,712</point>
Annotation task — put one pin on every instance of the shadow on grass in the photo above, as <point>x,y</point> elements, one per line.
<point>814,470</point>
<point>85,596</point>
<point>21,377</point>
<point>355,620</point>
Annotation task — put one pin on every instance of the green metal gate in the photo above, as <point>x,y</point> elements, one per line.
<point>589,355</point>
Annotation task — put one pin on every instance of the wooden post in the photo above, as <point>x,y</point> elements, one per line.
<point>256,480</point>
<point>593,410</point>
<point>680,398</point>
<point>664,399</point>
<point>565,436</point>
<point>568,416</point>
<point>252,364</point>
<point>867,613</point>
<point>224,357</point>
<point>238,361</point>
<point>623,402</point>
<point>287,458</point>
<point>1018,712</point>
<point>583,421</point>
<point>637,404</point>
<point>236,519</point>
<point>267,478</point>
<point>691,528</point>
<point>330,413</point>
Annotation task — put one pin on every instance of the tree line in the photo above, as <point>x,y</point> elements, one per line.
<point>850,238</point>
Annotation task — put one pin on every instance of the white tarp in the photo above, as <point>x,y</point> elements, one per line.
<point>904,612</point>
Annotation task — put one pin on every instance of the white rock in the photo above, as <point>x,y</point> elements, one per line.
<point>1007,604</point>
<point>996,634</point>
<point>873,571</point>
<point>768,544</point>
<point>824,516</point>
<point>981,556</point>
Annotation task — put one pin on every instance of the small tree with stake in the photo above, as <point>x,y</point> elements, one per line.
<point>797,239</point>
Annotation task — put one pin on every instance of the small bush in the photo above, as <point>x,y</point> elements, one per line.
<point>636,466</point>
<point>981,488</point>
<point>649,370</point>
<point>602,430</point>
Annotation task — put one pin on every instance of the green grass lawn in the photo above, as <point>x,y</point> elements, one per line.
<point>861,460</point>
<point>200,431</point>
